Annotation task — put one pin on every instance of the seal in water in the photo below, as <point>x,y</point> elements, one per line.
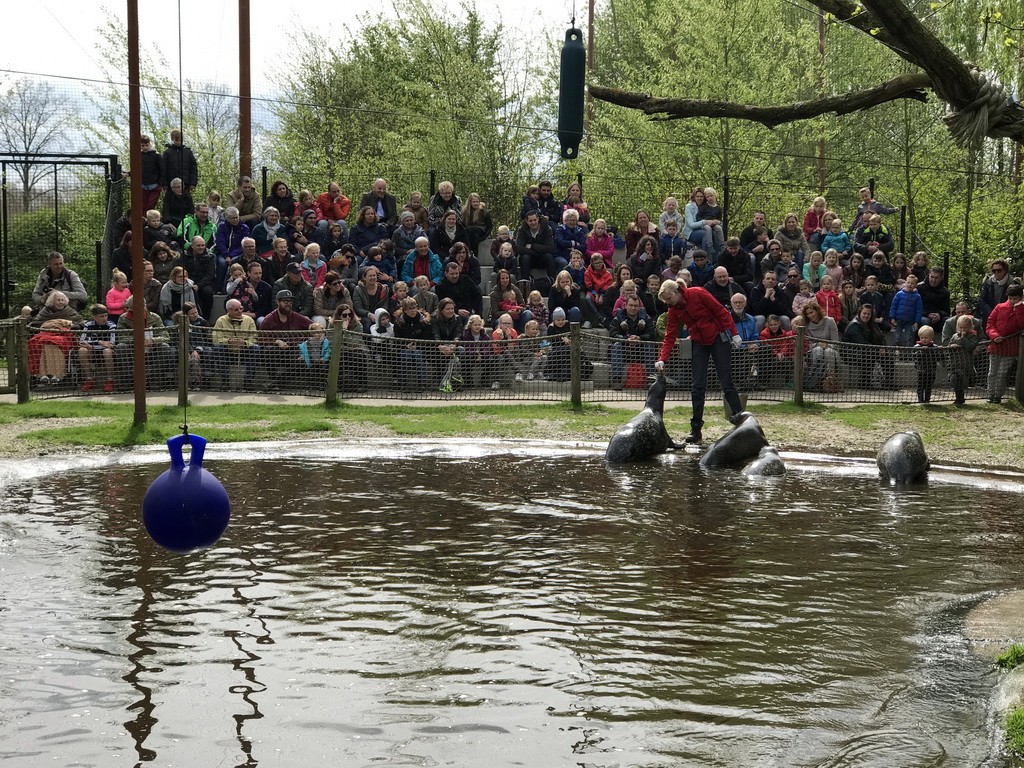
<point>645,434</point>
<point>767,463</point>
<point>737,446</point>
<point>902,458</point>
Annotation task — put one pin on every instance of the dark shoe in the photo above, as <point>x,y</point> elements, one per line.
<point>995,400</point>
<point>736,419</point>
<point>693,437</point>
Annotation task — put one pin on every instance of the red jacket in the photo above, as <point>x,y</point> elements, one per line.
<point>830,305</point>
<point>701,313</point>
<point>1005,320</point>
<point>781,343</point>
<point>334,211</point>
<point>597,283</point>
<point>812,222</point>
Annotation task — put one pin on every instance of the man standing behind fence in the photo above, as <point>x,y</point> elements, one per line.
<point>711,329</point>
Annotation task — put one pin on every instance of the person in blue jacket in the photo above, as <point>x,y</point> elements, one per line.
<point>905,312</point>
<point>569,237</point>
<point>422,261</point>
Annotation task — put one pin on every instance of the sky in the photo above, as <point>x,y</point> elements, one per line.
<point>63,32</point>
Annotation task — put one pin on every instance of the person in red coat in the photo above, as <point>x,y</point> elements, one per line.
<point>334,207</point>
<point>1003,327</point>
<point>711,329</point>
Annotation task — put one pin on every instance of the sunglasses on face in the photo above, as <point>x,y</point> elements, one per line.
<point>346,314</point>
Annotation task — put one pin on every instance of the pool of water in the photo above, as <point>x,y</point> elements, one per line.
<point>415,604</point>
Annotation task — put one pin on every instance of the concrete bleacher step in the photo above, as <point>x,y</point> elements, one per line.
<point>483,253</point>
<point>544,385</point>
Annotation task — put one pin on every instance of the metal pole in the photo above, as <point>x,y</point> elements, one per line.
<point>183,361</point>
<point>1019,383</point>
<point>135,158</point>
<point>56,211</point>
<point>334,365</point>
<point>590,70</point>
<point>5,289</point>
<point>23,391</point>
<point>903,229</point>
<point>264,174</point>
<point>821,92</point>
<point>576,383</point>
<point>433,183</point>
<point>798,367</point>
<point>871,186</point>
<point>99,272</point>
<point>244,92</point>
<point>725,205</point>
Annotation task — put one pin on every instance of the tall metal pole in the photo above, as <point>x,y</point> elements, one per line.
<point>244,92</point>
<point>590,69</point>
<point>135,158</point>
<point>821,92</point>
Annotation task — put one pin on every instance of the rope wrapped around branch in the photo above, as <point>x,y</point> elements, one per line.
<point>973,122</point>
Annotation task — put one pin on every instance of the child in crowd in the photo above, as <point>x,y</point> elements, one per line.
<point>96,347</point>
<point>509,305</point>
<point>385,269</point>
<point>532,352</point>
<point>962,347</point>
<point>675,266</point>
<point>828,300</point>
<point>784,265</point>
<point>900,270</point>
<point>849,302</point>
<point>814,270</point>
<point>216,212</point>
<point>832,266</point>
<point>671,244</point>
<point>575,202</point>
<point>711,215</point>
<point>399,292</point>
<point>425,298</point>
<point>814,223</point>
<point>670,212</point>
<point>316,352</point>
<point>701,270</point>
<point>314,269</point>
<point>806,296</point>
<point>382,327</point>
<point>576,269</point>
<point>625,291</point>
<point>920,266</point>
<point>777,359</point>
<point>119,291</point>
<point>601,241</point>
<point>415,205</point>
<point>926,359</point>
<point>531,202</point>
<point>880,269</point>
<point>905,312</point>
<point>238,287</point>
<point>838,240</point>
<point>503,254</point>
<point>535,303</point>
<point>871,295</point>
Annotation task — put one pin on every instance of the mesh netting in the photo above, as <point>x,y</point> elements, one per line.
<point>541,368</point>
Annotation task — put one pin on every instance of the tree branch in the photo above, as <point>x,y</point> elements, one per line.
<point>846,12</point>
<point>902,87</point>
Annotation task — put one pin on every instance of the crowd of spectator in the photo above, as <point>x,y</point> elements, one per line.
<point>409,272</point>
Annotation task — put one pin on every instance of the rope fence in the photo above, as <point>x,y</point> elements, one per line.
<point>565,364</point>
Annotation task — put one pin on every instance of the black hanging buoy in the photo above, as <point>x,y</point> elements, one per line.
<point>570,93</point>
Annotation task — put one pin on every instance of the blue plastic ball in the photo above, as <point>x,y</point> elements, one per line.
<point>186,509</point>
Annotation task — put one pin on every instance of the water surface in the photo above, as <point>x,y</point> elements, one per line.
<point>407,605</point>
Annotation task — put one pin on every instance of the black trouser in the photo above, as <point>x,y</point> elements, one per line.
<point>720,353</point>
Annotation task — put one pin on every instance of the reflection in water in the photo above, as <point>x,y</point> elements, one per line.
<point>549,610</point>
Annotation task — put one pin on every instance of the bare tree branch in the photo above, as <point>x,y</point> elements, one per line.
<point>902,87</point>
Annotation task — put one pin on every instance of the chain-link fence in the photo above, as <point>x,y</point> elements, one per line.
<point>566,364</point>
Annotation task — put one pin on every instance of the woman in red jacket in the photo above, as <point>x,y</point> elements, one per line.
<point>711,329</point>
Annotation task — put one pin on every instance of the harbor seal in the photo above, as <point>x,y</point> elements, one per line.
<point>902,458</point>
<point>737,446</point>
<point>768,463</point>
<point>644,436</point>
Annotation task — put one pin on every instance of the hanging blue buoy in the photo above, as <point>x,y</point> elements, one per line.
<point>570,93</point>
<point>186,508</point>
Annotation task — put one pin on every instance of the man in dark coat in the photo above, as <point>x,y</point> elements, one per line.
<point>179,163</point>
<point>201,266</point>
<point>383,203</point>
<point>461,289</point>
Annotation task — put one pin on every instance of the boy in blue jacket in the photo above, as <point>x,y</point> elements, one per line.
<point>905,312</point>
<point>670,243</point>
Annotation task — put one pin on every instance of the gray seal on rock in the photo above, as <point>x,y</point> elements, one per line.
<point>902,458</point>
<point>737,446</point>
<point>768,463</point>
<point>644,436</point>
